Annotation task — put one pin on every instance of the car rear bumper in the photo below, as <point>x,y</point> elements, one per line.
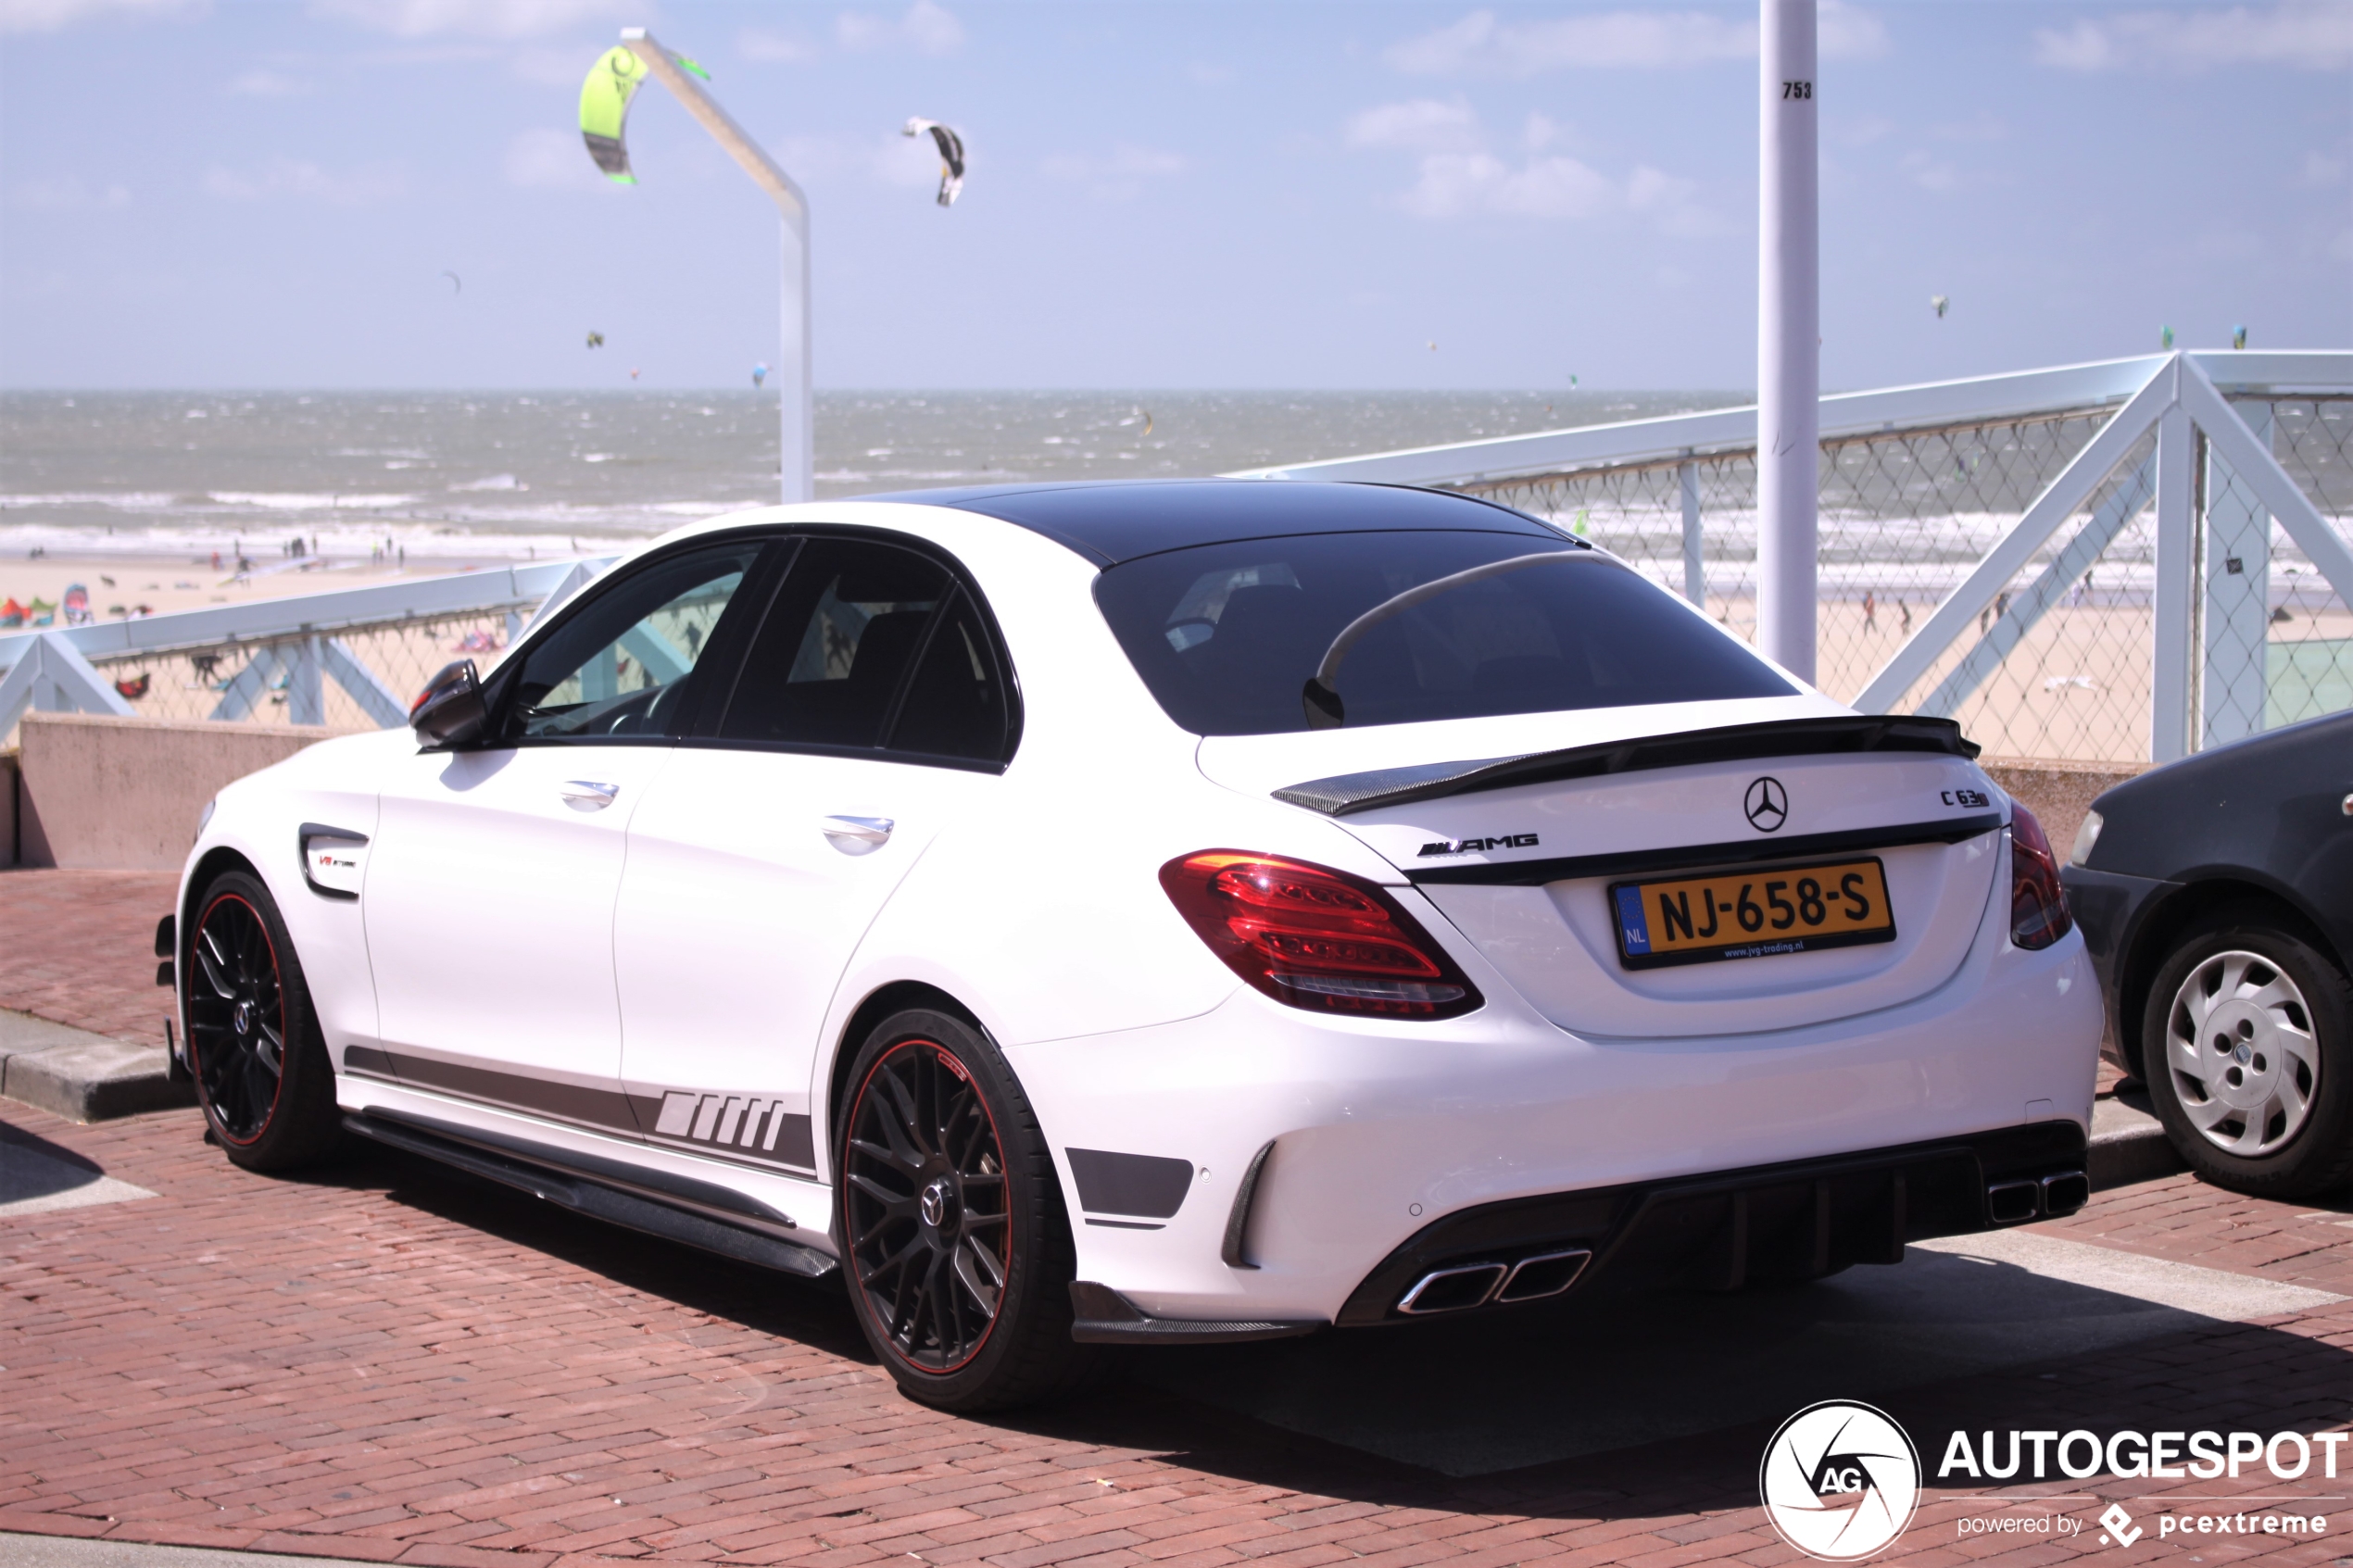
<point>1369,1147</point>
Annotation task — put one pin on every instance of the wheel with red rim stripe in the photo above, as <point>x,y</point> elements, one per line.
<point>236,1018</point>
<point>254,1048</point>
<point>951,1224</point>
<point>926,1202</point>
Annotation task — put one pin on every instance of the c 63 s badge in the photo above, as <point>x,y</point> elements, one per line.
<point>1473,845</point>
<point>1840,1480</point>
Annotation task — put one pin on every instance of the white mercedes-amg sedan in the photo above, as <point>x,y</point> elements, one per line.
<point>1150,913</point>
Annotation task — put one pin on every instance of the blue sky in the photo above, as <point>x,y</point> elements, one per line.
<point>252,193</point>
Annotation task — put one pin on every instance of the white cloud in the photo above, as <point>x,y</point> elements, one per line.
<point>306,180</point>
<point>2319,169</point>
<point>2314,37</point>
<point>927,29</point>
<point>770,47</point>
<point>1421,125</point>
<point>1463,184</point>
<point>1118,175</point>
<point>545,158</point>
<point>476,19</point>
<point>1930,173</point>
<point>266,83</point>
<point>1457,175</point>
<point>70,195</point>
<point>1617,40</point>
<point>49,15</point>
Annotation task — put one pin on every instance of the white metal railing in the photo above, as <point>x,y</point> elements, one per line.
<point>286,649</point>
<point>1995,500</point>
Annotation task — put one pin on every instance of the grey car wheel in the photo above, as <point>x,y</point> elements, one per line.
<point>2244,1036</point>
<point>2239,1042</point>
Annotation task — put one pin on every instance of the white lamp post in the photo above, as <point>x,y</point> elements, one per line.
<point>796,459</point>
<point>1789,359</point>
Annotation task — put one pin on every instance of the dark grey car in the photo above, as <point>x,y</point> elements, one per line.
<point>2215,895</point>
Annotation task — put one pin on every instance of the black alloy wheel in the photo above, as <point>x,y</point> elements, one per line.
<point>952,1226</point>
<point>260,1067</point>
<point>237,1018</point>
<point>928,1233</point>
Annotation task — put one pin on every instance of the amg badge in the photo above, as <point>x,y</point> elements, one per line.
<point>1471,846</point>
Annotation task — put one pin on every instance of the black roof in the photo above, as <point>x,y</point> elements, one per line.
<point>1115,520</point>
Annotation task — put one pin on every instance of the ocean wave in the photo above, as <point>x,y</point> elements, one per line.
<point>307,501</point>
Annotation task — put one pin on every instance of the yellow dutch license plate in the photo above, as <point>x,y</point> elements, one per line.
<point>1753,912</point>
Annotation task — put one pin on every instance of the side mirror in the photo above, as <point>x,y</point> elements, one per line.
<point>450,711</point>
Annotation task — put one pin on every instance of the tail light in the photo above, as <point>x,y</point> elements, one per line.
<point>2038,905</point>
<point>1315,938</point>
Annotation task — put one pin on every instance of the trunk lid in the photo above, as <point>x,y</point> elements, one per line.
<point>1522,856</point>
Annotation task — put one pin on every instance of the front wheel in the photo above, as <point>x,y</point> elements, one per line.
<point>951,1222</point>
<point>260,1065</point>
<point>2247,1038</point>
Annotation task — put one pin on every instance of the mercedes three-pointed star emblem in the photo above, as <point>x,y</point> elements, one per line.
<point>1766,804</point>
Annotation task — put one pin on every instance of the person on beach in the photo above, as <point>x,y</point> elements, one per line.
<point>1870,614</point>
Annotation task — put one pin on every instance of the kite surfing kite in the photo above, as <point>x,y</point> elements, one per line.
<point>604,108</point>
<point>596,340</point>
<point>457,284</point>
<point>2238,337</point>
<point>951,156</point>
<point>1938,302</point>
<point>759,375</point>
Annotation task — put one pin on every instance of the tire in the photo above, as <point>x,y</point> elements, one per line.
<point>954,1240</point>
<point>2247,1039</point>
<point>263,1079</point>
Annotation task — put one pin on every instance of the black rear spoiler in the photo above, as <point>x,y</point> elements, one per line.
<point>1843,734</point>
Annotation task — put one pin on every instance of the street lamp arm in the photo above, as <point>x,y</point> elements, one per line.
<point>765,171</point>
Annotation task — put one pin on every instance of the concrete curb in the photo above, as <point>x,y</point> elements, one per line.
<point>82,1076</point>
<point>2129,1144</point>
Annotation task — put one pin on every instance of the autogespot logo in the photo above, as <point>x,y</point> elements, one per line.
<point>1840,1480</point>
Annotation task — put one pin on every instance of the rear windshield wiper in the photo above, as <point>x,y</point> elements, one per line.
<point>1320,697</point>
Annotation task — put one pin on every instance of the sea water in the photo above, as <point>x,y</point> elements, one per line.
<point>544,473</point>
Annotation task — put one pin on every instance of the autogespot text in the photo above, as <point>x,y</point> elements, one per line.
<point>2080,1455</point>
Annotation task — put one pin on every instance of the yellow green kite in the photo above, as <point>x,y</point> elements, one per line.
<point>604,110</point>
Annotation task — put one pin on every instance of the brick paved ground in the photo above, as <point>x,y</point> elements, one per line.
<point>388,1362</point>
<point>78,947</point>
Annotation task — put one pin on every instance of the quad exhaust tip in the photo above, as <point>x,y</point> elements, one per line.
<point>2014,1203</point>
<point>1475,1285</point>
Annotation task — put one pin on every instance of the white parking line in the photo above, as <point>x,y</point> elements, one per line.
<point>2189,1287</point>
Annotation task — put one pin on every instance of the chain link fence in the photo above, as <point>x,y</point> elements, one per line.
<point>200,682</point>
<point>2061,664</point>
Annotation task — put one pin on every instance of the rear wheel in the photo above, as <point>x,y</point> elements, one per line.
<point>262,1069</point>
<point>2247,1037</point>
<point>955,1239</point>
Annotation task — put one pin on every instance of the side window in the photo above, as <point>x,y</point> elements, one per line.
<point>956,705</point>
<point>829,660</point>
<point>624,665</point>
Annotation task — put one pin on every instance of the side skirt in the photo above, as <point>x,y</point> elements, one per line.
<point>547,1174</point>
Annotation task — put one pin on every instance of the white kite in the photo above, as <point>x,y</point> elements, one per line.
<point>951,156</point>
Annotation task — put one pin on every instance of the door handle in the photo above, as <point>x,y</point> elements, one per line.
<point>585,795</point>
<point>857,835</point>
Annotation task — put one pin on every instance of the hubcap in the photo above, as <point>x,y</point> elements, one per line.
<point>2239,1043</point>
<point>236,1018</point>
<point>925,1204</point>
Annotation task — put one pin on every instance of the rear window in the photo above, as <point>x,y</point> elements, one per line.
<point>1226,635</point>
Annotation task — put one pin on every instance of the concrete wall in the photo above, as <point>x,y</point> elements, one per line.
<point>2058,793</point>
<point>103,792</point>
